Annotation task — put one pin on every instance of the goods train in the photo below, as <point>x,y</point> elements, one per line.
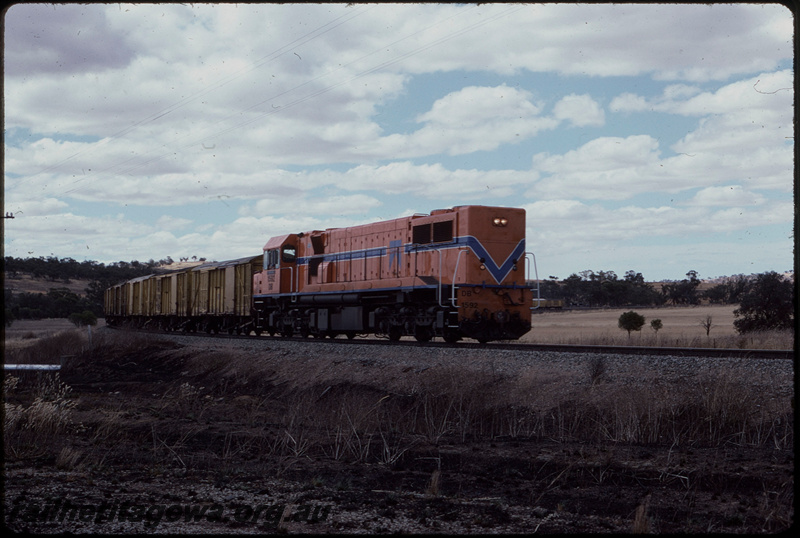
<point>455,273</point>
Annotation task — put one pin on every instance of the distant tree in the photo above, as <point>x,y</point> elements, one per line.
<point>631,321</point>
<point>717,294</point>
<point>83,319</point>
<point>683,292</point>
<point>707,324</point>
<point>728,292</point>
<point>63,302</point>
<point>656,325</point>
<point>549,289</point>
<point>737,287</point>
<point>768,304</point>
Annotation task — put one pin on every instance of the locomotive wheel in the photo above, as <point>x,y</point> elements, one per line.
<point>451,337</point>
<point>423,334</point>
<point>395,333</point>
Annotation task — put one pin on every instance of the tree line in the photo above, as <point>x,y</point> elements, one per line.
<point>766,301</point>
<point>66,269</point>
<point>60,301</point>
<point>606,289</point>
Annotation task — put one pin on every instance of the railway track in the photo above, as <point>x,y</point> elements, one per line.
<point>526,347</point>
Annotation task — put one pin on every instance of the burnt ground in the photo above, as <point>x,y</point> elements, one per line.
<point>163,438</point>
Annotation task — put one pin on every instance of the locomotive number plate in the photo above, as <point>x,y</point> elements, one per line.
<point>467,304</point>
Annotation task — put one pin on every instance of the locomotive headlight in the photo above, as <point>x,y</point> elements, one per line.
<point>499,221</point>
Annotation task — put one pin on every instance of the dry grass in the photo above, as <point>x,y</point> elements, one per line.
<point>29,428</point>
<point>46,349</point>
<point>277,412</point>
<point>336,412</point>
<point>682,327</point>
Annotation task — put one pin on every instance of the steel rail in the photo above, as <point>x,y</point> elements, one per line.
<point>523,347</point>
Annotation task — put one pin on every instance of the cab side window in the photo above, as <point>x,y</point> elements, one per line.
<point>289,254</point>
<point>271,259</point>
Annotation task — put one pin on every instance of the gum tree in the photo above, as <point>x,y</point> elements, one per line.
<point>767,304</point>
<point>631,321</point>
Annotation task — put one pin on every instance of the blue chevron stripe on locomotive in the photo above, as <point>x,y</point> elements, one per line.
<point>498,271</point>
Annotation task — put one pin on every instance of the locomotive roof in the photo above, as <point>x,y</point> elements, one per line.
<point>225,263</point>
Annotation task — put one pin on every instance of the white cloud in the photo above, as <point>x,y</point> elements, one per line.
<point>469,120</point>
<point>579,110</point>
<point>565,225</point>
<point>435,181</point>
<point>33,208</point>
<point>731,195</point>
<point>333,205</point>
<point>167,222</point>
<point>609,168</point>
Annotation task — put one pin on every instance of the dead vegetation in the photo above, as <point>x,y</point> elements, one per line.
<point>657,456</point>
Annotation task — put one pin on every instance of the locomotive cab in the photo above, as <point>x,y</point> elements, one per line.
<point>279,274</point>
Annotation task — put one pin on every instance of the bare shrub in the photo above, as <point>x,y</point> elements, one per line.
<point>49,350</point>
<point>641,521</point>
<point>68,458</point>
<point>12,416</point>
<point>29,429</point>
<point>47,418</point>
<point>598,370</point>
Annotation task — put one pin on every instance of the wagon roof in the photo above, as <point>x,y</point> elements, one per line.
<point>226,263</point>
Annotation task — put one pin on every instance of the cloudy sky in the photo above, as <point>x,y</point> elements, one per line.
<point>654,138</point>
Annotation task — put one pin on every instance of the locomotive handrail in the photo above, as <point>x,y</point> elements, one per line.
<point>452,284</point>
<point>439,284</point>
<point>536,271</point>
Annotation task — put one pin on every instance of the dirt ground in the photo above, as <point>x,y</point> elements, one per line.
<point>169,439</point>
<point>24,283</point>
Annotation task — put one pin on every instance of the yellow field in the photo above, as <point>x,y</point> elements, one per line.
<point>681,327</point>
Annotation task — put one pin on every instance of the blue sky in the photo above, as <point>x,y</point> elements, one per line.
<point>654,138</point>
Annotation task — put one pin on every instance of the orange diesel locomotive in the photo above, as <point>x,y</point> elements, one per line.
<point>455,273</point>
